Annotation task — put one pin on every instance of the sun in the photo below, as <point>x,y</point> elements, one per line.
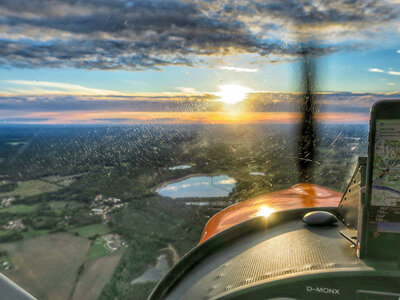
<point>232,93</point>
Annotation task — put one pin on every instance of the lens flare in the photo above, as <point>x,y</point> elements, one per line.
<point>232,93</point>
<point>265,211</point>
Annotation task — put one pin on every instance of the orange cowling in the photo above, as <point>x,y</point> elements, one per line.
<point>298,196</point>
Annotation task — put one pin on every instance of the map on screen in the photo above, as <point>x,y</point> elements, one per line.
<point>385,197</point>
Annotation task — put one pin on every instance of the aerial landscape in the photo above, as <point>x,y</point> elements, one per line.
<point>126,125</point>
<point>116,213</point>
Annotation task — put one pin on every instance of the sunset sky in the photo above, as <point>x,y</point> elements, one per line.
<point>128,62</point>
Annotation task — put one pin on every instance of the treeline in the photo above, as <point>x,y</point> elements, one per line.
<point>11,236</point>
<point>8,187</point>
<point>72,150</point>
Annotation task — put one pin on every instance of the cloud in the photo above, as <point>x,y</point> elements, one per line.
<point>187,90</point>
<point>47,87</point>
<point>190,118</point>
<point>136,34</point>
<point>236,69</point>
<point>259,107</point>
<point>60,103</point>
<point>19,105</point>
<point>398,51</point>
<point>376,70</point>
<point>115,120</point>
<point>24,120</point>
<point>395,73</point>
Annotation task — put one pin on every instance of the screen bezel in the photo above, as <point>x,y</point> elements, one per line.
<point>379,243</point>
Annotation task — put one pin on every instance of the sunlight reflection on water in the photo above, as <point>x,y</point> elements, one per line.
<point>199,187</point>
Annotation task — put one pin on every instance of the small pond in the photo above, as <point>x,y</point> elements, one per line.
<point>257,173</point>
<point>155,273</point>
<point>199,187</point>
<point>180,167</point>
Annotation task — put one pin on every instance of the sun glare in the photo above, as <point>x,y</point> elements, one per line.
<point>265,211</point>
<point>232,93</point>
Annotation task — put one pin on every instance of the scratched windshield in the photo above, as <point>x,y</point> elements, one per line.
<point>126,125</point>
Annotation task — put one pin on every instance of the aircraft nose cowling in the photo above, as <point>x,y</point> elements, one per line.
<point>301,195</point>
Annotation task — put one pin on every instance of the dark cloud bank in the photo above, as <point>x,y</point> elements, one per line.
<point>150,34</point>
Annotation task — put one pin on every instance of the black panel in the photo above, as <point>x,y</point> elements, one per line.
<point>351,200</point>
<point>10,291</point>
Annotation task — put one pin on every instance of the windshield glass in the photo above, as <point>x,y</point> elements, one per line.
<point>126,125</point>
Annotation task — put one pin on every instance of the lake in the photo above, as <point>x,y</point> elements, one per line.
<point>154,273</point>
<point>199,187</point>
<point>180,167</point>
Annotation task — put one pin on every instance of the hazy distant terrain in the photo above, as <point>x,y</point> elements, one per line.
<point>99,183</point>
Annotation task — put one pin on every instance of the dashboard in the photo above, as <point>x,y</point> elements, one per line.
<point>279,258</point>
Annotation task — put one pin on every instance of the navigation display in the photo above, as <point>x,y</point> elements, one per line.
<point>385,197</point>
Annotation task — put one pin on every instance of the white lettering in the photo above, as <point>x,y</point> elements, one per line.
<point>323,290</point>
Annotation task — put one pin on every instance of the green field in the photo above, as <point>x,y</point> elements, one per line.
<point>91,230</point>
<point>97,249</point>
<point>30,233</point>
<point>58,205</point>
<point>61,180</point>
<point>19,209</point>
<point>66,182</point>
<point>31,188</point>
<point>34,233</point>
<point>2,232</point>
<point>96,274</point>
<point>47,266</point>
